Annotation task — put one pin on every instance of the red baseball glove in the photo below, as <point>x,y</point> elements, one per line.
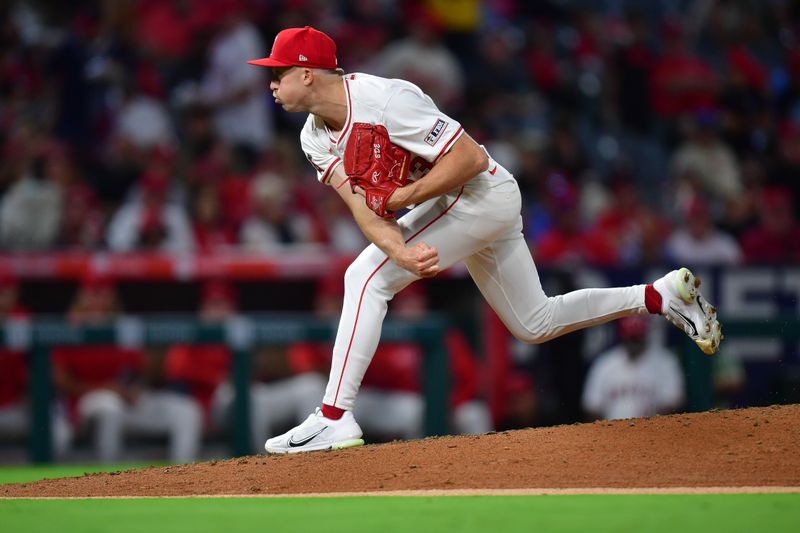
<point>376,165</point>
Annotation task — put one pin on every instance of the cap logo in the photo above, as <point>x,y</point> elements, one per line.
<point>302,58</point>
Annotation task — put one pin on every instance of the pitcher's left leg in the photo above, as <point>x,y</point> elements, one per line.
<point>507,277</point>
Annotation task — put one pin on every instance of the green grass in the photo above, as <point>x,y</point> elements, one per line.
<point>23,474</point>
<point>651,513</point>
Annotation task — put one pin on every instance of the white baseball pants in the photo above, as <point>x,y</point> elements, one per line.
<point>481,225</point>
<point>14,420</point>
<point>154,413</point>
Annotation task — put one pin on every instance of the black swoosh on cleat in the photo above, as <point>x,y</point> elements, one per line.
<point>295,444</point>
<point>685,319</point>
<point>700,305</point>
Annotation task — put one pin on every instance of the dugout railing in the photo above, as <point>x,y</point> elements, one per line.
<point>242,333</point>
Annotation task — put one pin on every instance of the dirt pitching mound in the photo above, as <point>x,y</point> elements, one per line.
<point>757,447</point>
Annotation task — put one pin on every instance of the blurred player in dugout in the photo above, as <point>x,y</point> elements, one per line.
<point>110,392</point>
<point>14,411</point>
<point>279,397</point>
<point>636,378</point>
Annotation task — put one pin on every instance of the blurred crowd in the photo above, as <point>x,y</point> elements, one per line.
<point>640,133</point>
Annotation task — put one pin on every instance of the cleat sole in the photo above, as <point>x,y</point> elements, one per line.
<point>347,444</point>
<point>687,285</point>
<point>352,443</point>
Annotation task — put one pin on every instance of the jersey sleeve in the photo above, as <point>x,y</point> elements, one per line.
<point>416,124</point>
<point>317,154</point>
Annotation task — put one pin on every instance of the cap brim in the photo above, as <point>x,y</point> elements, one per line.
<point>269,62</point>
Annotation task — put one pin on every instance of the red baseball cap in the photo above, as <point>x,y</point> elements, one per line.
<point>300,47</point>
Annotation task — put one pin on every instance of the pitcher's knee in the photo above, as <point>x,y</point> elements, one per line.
<point>530,337</point>
<point>536,333</point>
<point>536,326</point>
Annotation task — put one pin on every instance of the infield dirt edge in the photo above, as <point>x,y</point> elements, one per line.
<point>737,451</point>
<point>456,492</point>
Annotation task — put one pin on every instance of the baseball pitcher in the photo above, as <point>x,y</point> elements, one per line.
<point>383,145</point>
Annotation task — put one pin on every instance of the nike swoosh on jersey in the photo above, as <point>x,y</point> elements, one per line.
<point>295,444</point>
<point>493,170</point>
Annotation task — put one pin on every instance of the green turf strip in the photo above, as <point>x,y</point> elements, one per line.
<point>651,513</point>
<point>23,474</point>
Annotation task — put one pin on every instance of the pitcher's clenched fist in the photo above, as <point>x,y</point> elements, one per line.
<point>420,259</point>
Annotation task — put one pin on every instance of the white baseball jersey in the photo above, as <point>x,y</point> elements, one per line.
<point>619,387</point>
<point>409,115</point>
<point>479,223</point>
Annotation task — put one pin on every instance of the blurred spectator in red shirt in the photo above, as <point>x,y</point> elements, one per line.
<point>83,218</point>
<point>210,233</point>
<point>106,386</point>
<point>636,231</point>
<point>774,241</point>
<point>681,82</point>
<point>542,61</point>
<point>567,241</point>
<point>165,27</point>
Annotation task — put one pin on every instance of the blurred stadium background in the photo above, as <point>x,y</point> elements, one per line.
<point>164,245</point>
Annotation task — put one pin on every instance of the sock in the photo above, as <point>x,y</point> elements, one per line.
<point>332,413</point>
<point>652,299</point>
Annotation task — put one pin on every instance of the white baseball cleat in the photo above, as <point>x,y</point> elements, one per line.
<point>684,306</point>
<point>318,433</point>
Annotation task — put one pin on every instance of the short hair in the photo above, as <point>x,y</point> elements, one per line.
<point>337,71</point>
